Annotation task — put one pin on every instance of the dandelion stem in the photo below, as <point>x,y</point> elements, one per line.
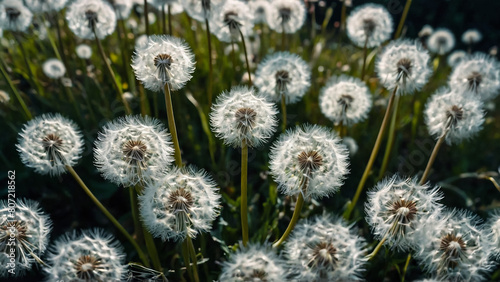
<point>433,156</point>
<point>390,139</point>
<point>185,255</point>
<point>53,43</point>
<point>365,53</point>
<point>170,31</point>
<point>171,124</point>
<point>243,198</point>
<point>122,33</point>
<point>150,245</point>
<point>135,214</point>
<point>408,258</point>
<point>72,99</point>
<point>293,221</point>
<point>60,41</point>
<point>343,16</point>
<point>146,19</point>
<point>283,111</point>
<point>234,54</point>
<point>16,93</point>
<point>192,252</point>
<point>32,79</point>
<point>211,68</point>
<point>111,73</point>
<point>163,20</point>
<point>403,19</point>
<point>108,215</point>
<point>246,57</point>
<point>145,109</point>
<point>373,155</point>
<point>378,247</point>
<point>283,37</point>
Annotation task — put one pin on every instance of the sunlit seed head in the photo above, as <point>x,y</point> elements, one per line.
<point>52,144</point>
<point>245,119</point>
<point>14,229</point>
<point>324,255</point>
<point>86,266</point>
<point>310,161</point>
<point>453,248</point>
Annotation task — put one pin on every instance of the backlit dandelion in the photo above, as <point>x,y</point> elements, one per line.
<point>286,15</point>
<point>201,9</point>
<point>492,234</point>
<point>441,41</point>
<point>41,6</point>
<point>182,203</point>
<point>83,51</point>
<point>260,9</point>
<point>14,16</point>
<point>369,25</point>
<point>88,16</point>
<point>132,150</point>
<point>231,18</point>
<point>456,57</point>
<point>54,68</point>
<point>471,36</point>
<point>29,227</point>
<point>50,142</point>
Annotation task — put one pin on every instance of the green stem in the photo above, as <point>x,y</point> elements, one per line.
<point>135,214</point>
<point>283,111</point>
<point>390,139</point>
<point>171,124</point>
<point>53,43</point>
<point>145,110</point>
<point>122,38</point>
<point>192,252</point>
<point>378,247</point>
<point>146,18</point>
<point>185,256</point>
<point>373,155</point>
<point>244,204</point>
<point>210,70</point>
<point>403,19</point>
<point>108,215</point>
<point>32,79</point>
<point>433,156</point>
<point>71,97</point>
<point>293,221</point>
<point>153,253</point>
<point>246,56</point>
<point>170,31</point>
<point>163,22</point>
<point>365,53</point>
<point>408,258</point>
<point>60,41</point>
<point>14,90</point>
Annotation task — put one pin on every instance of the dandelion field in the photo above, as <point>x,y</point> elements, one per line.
<point>289,141</point>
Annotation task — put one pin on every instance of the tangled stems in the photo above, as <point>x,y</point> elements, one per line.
<point>14,90</point>
<point>246,57</point>
<point>210,70</point>
<point>403,19</point>
<point>293,221</point>
<point>171,124</point>
<point>373,155</point>
<point>243,198</point>
<point>433,156</point>
<point>108,215</point>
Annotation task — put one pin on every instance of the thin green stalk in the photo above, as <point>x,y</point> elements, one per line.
<point>72,99</point>
<point>390,139</point>
<point>185,256</point>
<point>153,253</point>
<point>293,221</point>
<point>192,252</point>
<point>108,215</point>
<point>373,155</point>
<point>14,90</point>
<point>145,110</point>
<point>122,38</point>
<point>32,79</point>
<point>282,36</point>
<point>408,258</point>
<point>53,43</point>
<point>112,74</point>
<point>171,124</point>
<point>403,19</point>
<point>60,41</point>
<point>146,19</point>
<point>246,57</point>
<point>211,68</point>
<point>244,203</point>
<point>433,156</point>
<point>365,53</point>
<point>163,21</point>
<point>378,247</point>
<point>283,111</point>
<point>343,16</point>
<point>135,214</point>
<point>170,31</point>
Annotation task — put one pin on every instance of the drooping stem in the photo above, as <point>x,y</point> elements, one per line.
<point>16,93</point>
<point>243,198</point>
<point>408,258</point>
<point>246,56</point>
<point>373,155</point>
<point>293,221</point>
<point>234,54</point>
<point>433,156</point>
<point>210,70</point>
<point>192,253</point>
<point>283,111</point>
<point>390,139</point>
<point>112,74</point>
<point>146,18</point>
<point>108,215</point>
<point>53,43</point>
<point>403,19</point>
<point>365,53</point>
<point>171,124</point>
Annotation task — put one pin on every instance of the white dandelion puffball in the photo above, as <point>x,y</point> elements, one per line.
<point>450,247</point>
<point>456,57</point>
<point>404,65</point>
<point>345,100</point>
<point>50,142</point>
<point>471,36</point>
<point>122,8</point>
<point>283,73</point>
<point>254,263</point>
<point>287,15</point>
<point>26,231</point>
<point>53,68</point>
<point>132,150</point>
<point>396,207</point>
<point>83,51</point>
<point>441,41</point>
<point>85,16</point>
<point>370,24</point>
<point>92,255</point>
<point>426,31</point>
<point>260,9</point>
<point>14,16</point>
<point>310,160</point>
<point>201,9</point>
<point>457,114</point>
<point>164,59</point>
<point>4,97</point>
<point>174,5</point>
<point>41,6</point>
<point>492,234</point>
<point>351,145</point>
<point>182,203</point>
<point>141,42</point>
<point>479,74</point>
<point>231,18</point>
<point>240,115</point>
<point>325,249</point>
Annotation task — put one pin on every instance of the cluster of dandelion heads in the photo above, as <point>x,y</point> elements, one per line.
<point>50,142</point>
<point>182,203</point>
<point>14,16</point>
<point>454,113</point>
<point>29,226</point>
<point>163,59</point>
<point>54,68</point>
<point>471,36</point>
<point>122,8</point>
<point>92,255</point>
<point>254,263</point>
<point>231,18</point>
<point>132,150</point>
<point>369,24</point>
<point>283,73</point>
<point>86,16</point>
<point>456,57</point>
<point>260,9</point>
<point>83,51</point>
<point>441,41</point>
<point>240,115</point>
<point>325,249</point>
<point>286,15</point>
<point>345,100</point>
<point>479,74</point>
<point>404,65</point>
<point>450,247</point>
<point>41,6</point>
<point>310,160</point>
<point>397,207</point>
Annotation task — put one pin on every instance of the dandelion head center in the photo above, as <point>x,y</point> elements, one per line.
<point>310,161</point>
<point>14,229</point>
<point>285,14</point>
<point>245,119</point>
<point>324,255</point>
<point>91,17</point>
<point>369,26</point>
<point>282,80</point>
<point>403,212</point>
<point>404,68</point>
<point>345,101</point>
<point>258,275</point>
<point>441,41</point>
<point>205,4</point>
<point>454,114</point>
<point>180,200</point>
<point>231,20</point>
<point>86,267</point>
<point>163,64</point>
<point>12,13</point>
<point>135,151</point>
<point>453,248</point>
<point>52,144</point>
<point>474,79</point>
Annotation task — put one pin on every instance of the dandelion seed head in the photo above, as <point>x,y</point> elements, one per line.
<point>83,51</point>
<point>14,16</point>
<point>54,68</point>
<point>441,41</point>
<point>260,9</point>
<point>229,19</point>
<point>456,57</point>
<point>351,145</point>
<point>201,9</point>
<point>471,36</point>
<point>370,23</point>
<point>42,6</point>
<point>426,31</point>
<point>287,15</point>
<point>4,97</point>
<point>184,202</point>
<point>163,59</point>
<point>50,142</point>
<point>84,16</point>
<point>122,8</point>
<point>404,64</point>
<point>309,160</point>
<point>492,234</point>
